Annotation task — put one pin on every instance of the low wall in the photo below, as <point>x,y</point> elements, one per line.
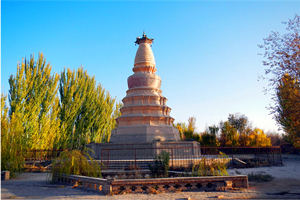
<point>86,182</point>
<point>154,185</point>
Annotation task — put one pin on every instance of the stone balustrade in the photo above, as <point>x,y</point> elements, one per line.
<point>154,185</point>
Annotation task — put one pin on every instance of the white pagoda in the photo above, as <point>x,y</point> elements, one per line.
<point>145,117</point>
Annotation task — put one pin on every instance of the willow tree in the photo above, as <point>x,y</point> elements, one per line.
<point>34,103</point>
<point>87,111</point>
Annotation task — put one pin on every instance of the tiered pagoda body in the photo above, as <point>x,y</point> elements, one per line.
<point>145,117</point>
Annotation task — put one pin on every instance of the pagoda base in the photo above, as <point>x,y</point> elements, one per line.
<point>141,145</point>
<point>142,151</point>
<point>144,134</point>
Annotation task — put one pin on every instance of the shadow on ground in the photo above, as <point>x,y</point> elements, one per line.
<point>38,186</point>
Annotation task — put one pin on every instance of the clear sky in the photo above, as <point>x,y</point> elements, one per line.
<point>206,51</point>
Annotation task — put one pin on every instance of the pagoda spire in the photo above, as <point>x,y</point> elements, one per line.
<point>144,39</point>
<point>144,59</point>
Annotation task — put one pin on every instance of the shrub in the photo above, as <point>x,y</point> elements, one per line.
<point>77,163</point>
<point>160,167</point>
<point>211,167</point>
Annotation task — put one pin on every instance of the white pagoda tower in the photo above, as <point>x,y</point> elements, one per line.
<point>145,116</point>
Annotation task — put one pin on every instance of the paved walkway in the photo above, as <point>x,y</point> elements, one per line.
<point>37,186</point>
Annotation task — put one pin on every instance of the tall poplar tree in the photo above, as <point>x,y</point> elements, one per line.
<point>34,102</point>
<point>80,113</point>
<point>87,111</point>
<point>13,145</point>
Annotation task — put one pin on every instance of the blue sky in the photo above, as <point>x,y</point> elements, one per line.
<point>206,51</point>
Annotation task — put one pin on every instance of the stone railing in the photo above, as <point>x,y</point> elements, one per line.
<point>154,185</point>
<point>85,182</point>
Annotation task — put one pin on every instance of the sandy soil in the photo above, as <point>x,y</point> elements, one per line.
<point>286,185</point>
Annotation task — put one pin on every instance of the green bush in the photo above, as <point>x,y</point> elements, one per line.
<point>160,168</point>
<point>76,162</point>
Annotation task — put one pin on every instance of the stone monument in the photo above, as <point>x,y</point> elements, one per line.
<point>145,116</point>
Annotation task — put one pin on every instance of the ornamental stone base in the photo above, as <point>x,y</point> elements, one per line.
<point>144,134</point>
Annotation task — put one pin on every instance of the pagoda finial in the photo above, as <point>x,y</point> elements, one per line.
<point>144,39</point>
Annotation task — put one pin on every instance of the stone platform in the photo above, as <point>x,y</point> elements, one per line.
<point>144,134</point>
<point>111,151</point>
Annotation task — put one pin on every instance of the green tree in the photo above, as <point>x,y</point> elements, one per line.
<point>238,121</point>
<point>187,132</point>
<point>13,145</point>
<point>87,111</point>
<point>38,117</point>
<point>34,102</point>
<point>241,124</point>
<point>229,135</point>
<point>209,137</point>
<point>236,131</point>
<point>213,129</point>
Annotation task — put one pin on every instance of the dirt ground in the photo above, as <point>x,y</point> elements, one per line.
<point>285,185</point>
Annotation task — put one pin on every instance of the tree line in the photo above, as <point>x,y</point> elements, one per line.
<point>236,131</point>
<point>281,61</point>
<point>52,111</point>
